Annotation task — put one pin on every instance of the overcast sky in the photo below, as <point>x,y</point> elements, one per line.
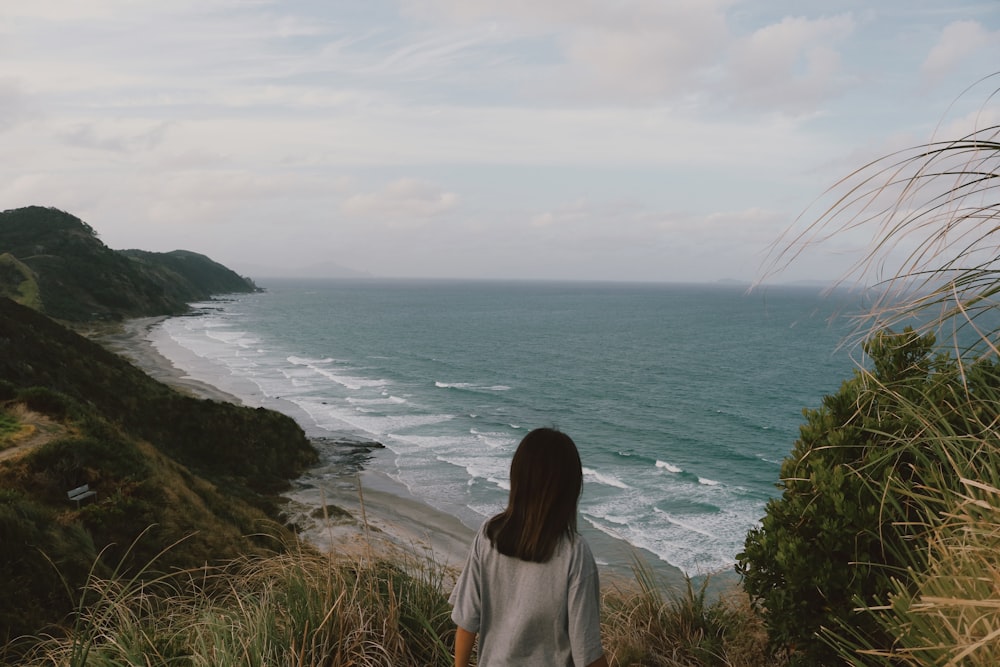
<point>664,140</point>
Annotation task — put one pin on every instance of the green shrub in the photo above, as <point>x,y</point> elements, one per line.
<point>9,425</point>
<point>69,462</point>
<point>8,391</point>
<point>49,402</point>
<point>847,528</point>
<point>41,562</point>
<point>944,611</point>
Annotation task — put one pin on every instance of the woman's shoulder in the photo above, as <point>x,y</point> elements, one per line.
<point>482,535</point>
<point>580,555</point>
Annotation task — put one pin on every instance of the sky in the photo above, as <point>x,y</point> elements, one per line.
<point>626,140</point>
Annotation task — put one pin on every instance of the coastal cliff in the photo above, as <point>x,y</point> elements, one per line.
<point>166,468</point>
<point>54,262</point>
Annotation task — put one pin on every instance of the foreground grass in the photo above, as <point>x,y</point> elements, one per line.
<point>648,623</point>
<point>306,608</point>
<point>290,609</point>
<point>944,609</point>
<point>303,608</point>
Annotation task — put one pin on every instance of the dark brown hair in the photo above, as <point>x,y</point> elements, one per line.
<point>545,483</point>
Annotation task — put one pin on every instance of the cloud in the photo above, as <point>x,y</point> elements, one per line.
<point>64,10</point>
<point>959,40</point>
<point>115,137</point>
<point>14,103</point>
<point>659,55</point>
<point>402,202</point>
<point>607,133</point>
<point>791,65</point>
<point>683,51</point>
<point>642,49</point>
<point>618,239</point>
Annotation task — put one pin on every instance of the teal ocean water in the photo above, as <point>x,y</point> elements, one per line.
<point>683,399</point>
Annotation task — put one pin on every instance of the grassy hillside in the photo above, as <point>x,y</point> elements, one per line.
<point>77,278</point>
<point>188,276</point>
<point>165,467</point>
<point>18,282</point>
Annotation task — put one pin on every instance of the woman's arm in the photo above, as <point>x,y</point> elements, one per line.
<point>464,641</point>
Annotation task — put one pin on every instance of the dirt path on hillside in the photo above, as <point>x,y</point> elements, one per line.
<point>36,430</point>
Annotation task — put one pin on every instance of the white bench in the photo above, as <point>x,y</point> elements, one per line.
<point>80,493</point>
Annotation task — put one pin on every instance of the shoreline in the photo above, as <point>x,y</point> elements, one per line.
<point>354,512</point>
<point>339,505</point>
<point>133,342</point>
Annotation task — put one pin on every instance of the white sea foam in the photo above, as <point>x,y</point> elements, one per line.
<point>617,520</point>
<point>686,525</point>
<point>672,543</point>
<point>383,400</point>
<point>707,482</point>
<point>352,382</point>
<point>315,366</point>
<point>305,361</point>
<point>394,424</point>
<point>602,478</point>
<point>669,467</point>
<point>493,440</point>
<point>468,386</point>
<point>239,338</point>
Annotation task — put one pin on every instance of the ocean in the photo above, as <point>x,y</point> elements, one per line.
<point>683,399</point>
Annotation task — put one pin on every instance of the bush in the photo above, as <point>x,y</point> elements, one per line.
<point>41,561</point>
<point>944,611</point>
<point>52,403</point>
<point>292,609</point>
<point>848,527</point>
<point>68,462</point>
<point>8,391</point>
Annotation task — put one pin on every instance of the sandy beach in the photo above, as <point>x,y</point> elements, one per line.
<point>354,512</point>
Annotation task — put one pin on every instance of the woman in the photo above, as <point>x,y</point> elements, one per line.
<point>530,588</point>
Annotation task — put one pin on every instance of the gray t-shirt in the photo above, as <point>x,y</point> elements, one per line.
<point>527,614</point>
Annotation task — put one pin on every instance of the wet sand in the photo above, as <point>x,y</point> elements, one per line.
<point>133,342</point>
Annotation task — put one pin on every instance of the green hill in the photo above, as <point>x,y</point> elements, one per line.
<point>201,471</point>
<point>166,467</point>
<point>18,282</point>
<point>71,275</point>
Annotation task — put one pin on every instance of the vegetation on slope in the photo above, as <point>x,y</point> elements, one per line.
<point>18,282</point>
<point>882,548</point>
<point>75,277</point>
<point>304,608</point>
<point>255,447</point>
<point>852,522</point>
<point>200,472</point>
